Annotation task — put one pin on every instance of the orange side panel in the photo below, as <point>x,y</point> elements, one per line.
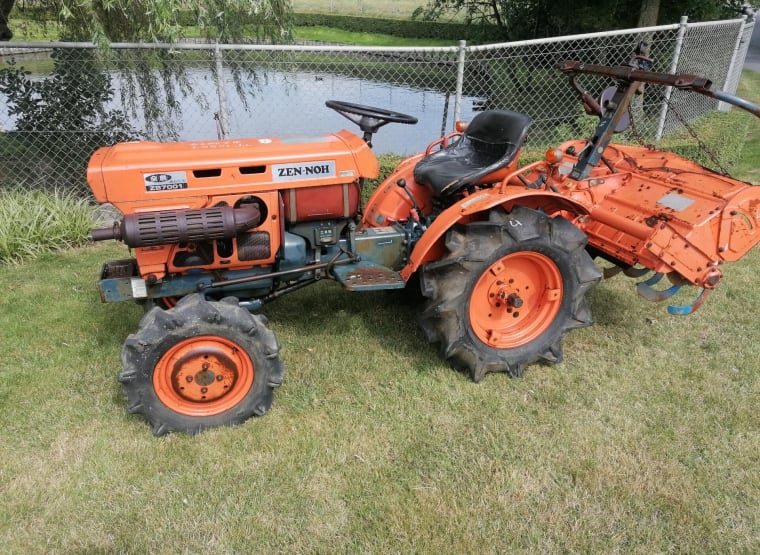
<point>170,172</point>
<point>390,203</point>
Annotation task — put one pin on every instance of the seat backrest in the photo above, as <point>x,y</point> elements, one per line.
<point>490,143</point>
<point>498,127</point>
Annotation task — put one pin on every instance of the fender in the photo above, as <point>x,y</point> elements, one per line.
<point>431,244</point>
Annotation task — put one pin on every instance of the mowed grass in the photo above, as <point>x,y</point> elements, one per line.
<point>644,440</point>
<point>748,166</point>
<point>395,8</point>
<point>332,35</point>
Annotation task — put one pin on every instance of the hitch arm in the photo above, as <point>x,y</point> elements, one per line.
<point>682,81</point>
<point>627,73</point>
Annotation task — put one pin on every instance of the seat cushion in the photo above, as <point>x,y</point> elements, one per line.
<point>490,143</point>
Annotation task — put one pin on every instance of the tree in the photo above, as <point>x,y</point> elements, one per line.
<point>527,19</point>
<point>5,10</point>
<point>650,10</point>
<point>74,100</point>
<point>154,80</point>
<point>63,117</point>
<point>162,20</point>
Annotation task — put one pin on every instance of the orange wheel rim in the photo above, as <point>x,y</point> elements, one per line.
<point>203,376</point>
<point>515,300</point>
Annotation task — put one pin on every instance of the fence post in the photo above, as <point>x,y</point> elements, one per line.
<point>222,119</point>
<point>445,113</point>
<point>673,69</point>
<point>460,80</point>
<point>727,84</point>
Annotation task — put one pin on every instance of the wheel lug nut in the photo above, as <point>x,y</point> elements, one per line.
<point>514,300</point>
<point>189,379</point>
<point>219,378</point>
<point>204,390</point>
<point>205,366</point>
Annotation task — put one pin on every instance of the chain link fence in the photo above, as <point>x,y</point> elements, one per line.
<point>61,101</point>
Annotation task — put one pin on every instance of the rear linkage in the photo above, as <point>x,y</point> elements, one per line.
<point>614,114</point>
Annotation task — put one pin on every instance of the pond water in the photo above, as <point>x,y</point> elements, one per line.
<point>291,104</point>
<point>288,104</point>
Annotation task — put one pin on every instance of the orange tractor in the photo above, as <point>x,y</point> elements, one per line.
<point>504,255</point>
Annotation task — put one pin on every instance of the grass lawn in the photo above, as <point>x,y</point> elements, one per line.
<point>749,164</point>
<point>644,440</point>
<point>330,35</point>
<point>382,8</point>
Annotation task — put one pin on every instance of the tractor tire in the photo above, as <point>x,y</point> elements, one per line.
<point>200,365</point>
<point>508,291</point>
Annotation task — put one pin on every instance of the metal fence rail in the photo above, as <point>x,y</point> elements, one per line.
<point>82,97</point>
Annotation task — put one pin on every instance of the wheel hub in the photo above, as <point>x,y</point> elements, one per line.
<point>515,299</point>
<point>203,376</point>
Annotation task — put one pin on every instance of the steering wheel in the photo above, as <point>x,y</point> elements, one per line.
<point>369,119</point>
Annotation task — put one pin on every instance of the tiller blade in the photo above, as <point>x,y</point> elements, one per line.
<point>612,271</point>
<point>629,271</point>
<point>645,289</point>
<point>690,308</point>
<point>633,272</point>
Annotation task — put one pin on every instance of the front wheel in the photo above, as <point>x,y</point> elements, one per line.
<point>200,365</point>
<point>508,291</point>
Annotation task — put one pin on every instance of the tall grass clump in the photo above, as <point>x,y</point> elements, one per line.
<point>34,222</point>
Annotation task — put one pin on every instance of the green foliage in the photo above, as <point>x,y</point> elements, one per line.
<point>700,10</point>
<point>151,77</point>
<point>544,18</point>
<point>164,20</point>
<point>402,27</point>
<point>748,167</point>
<point>72,98</point>
<point>33,222</point>
<point>582,127</point>
<point>723,133</point>
<point>62,117</point>
<point>388,163</point>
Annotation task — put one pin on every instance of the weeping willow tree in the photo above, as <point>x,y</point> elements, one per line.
<point>154,81</point>
<point>150,81</point>
<point>159,20</point>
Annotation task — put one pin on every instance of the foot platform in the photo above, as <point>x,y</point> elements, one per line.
<point>367,276</point>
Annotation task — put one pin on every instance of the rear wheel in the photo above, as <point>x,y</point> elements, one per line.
<point>508,291</point>
<point>200,365</point>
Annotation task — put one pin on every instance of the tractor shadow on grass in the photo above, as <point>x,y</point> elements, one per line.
<point>327,314</point>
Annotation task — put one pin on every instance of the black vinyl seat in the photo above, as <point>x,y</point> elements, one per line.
<point>489,143</point>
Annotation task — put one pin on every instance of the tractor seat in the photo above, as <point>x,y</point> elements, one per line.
<point>490,142</point>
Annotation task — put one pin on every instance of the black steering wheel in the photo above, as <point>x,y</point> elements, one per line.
<point>369,119</point>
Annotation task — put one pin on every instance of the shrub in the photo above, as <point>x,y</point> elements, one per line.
<point>33,222</point>
<point>405,28</point>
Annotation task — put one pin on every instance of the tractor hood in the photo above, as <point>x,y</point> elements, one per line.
<point>149,171</point>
